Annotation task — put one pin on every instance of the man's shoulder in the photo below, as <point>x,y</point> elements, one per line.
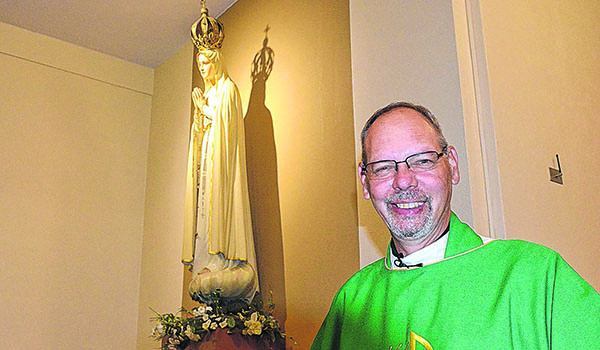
<point>516,252</point>
<point>520,247</point>
<point>371,271</point>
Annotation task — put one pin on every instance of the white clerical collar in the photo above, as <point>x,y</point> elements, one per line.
<point>432,253</point>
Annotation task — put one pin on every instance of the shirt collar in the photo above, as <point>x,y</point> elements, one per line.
<point>433,252</point>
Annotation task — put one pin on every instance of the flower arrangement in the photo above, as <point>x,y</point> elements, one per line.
<point>177,330</point>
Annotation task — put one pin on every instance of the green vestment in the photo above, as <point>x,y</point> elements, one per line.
<point>500,295</point>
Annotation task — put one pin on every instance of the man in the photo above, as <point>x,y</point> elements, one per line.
<point>441,285</point>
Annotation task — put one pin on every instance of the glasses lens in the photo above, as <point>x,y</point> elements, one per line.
<point>381,170</point>
<point>423,161</point>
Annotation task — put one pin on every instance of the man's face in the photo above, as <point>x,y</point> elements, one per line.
<point>414,205</point>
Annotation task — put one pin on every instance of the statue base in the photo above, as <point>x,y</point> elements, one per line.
<point>219,339</point>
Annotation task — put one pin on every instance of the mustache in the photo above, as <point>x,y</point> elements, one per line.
<point>414,195</point>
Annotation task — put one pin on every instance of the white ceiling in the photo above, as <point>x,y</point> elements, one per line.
<point>141,31</point>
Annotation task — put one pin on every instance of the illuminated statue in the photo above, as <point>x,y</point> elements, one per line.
<point>218,239</point>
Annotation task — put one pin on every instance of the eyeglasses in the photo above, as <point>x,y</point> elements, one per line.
<point>383,169</point>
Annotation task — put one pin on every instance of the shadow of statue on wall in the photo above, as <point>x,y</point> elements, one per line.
<point>263,187</point>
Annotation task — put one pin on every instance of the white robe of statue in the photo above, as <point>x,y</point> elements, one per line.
<point>218,238</point>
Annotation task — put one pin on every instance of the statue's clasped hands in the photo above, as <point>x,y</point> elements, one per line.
<point>199,100</point>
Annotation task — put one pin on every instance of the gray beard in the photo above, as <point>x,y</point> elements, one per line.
<point>409,230</point>
<point>412,231</point>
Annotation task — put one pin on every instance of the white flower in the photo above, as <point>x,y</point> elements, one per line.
<point>201,310</point>
<point>158,330</point>
<point>223,324</point>
<point>206,325</point>
<point>193,337</point>
<point>214,326</point>
<point>253,326</point>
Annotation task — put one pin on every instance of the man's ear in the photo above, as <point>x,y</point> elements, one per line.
<point>363,181</point>
<point>453,161</point>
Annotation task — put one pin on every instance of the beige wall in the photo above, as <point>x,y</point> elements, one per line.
<point>543,72</point>
<point>161,269</point>
<point>74,134</point>
<point>405,51</point>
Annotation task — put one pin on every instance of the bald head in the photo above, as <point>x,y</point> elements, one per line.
<point>421,110</point>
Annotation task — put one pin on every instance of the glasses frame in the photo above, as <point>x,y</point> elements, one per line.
<point>396,162</point>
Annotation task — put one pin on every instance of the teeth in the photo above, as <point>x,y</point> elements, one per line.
<point>411,205</point>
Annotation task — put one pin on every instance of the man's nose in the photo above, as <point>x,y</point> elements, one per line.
<point>404,177</point>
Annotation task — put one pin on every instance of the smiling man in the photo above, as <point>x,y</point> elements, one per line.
<point>412,195</point>
<point>441,285</point>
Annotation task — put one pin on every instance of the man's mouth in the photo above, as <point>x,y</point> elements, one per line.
<point>409,205</point>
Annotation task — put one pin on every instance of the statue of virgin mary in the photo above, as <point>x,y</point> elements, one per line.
<point>218,240</point>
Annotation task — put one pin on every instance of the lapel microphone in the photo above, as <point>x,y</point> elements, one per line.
<point>399,256</point>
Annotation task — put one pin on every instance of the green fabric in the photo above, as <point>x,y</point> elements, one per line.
<point>460,238</point>
<point>501,295</point>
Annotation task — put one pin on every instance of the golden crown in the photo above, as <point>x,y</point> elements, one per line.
<point>207,32</point>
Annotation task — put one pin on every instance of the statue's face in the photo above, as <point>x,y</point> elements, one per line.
<point>206,67</point>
